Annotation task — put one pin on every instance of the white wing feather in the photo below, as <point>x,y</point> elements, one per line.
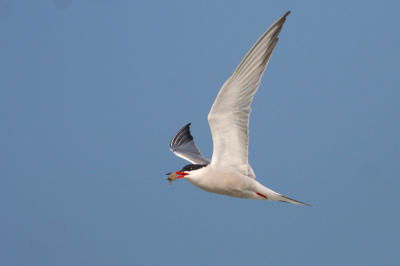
<point>229,115</point>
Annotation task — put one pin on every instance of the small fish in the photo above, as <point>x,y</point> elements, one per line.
<point>172,177</point>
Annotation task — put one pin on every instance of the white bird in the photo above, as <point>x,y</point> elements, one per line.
<point>229,171</point>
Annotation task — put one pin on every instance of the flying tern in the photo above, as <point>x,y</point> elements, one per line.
<point>229,172</point>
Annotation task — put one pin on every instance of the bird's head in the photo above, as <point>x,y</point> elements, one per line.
<point>184,172</point>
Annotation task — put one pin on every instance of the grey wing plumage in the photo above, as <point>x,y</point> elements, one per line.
<point>182,145</point>
<point>230,113</point>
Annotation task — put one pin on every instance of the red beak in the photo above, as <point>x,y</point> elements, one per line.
<point>181,174</point>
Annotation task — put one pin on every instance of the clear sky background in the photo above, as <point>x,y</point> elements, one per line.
<point>91,92</point>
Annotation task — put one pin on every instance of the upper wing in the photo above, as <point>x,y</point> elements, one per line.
<point>229,115</point>
<point>182,145</point>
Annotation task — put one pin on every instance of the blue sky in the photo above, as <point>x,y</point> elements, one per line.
<point>91,93</point>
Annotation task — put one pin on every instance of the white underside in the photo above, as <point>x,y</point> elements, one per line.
<point>229,182</point>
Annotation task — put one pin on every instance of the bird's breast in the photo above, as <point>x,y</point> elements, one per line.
<point>223,182</point>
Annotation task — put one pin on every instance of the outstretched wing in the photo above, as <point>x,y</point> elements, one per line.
<point>229,115</point>
<point>182,145</point>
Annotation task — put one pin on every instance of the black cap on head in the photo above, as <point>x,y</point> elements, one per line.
<point>191,167</point>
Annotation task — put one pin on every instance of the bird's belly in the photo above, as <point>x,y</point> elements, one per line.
<point>231,184</point>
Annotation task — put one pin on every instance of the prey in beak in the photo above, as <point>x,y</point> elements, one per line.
<point>184,171</point>
<point>176,175</point>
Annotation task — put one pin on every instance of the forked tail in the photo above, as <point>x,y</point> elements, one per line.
<point>269,194</point>
<point>283,198</point>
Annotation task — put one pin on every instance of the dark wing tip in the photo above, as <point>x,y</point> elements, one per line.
<point>283,18</point>
<point>182,136</point>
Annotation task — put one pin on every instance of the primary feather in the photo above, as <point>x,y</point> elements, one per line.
<point>182,145</point>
